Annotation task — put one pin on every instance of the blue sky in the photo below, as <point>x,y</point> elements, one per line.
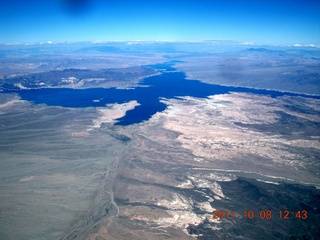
<point>259,21</point>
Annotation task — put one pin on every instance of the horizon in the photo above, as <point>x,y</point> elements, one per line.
<point>141,42</point>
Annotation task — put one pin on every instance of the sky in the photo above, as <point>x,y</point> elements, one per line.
<point>258,21</point>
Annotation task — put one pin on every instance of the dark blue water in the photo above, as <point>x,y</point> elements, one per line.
<point>169,84</point>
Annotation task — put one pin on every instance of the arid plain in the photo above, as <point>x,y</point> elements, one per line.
<point>76,173</point>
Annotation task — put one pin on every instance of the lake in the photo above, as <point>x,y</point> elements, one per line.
<point>169,84</point>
